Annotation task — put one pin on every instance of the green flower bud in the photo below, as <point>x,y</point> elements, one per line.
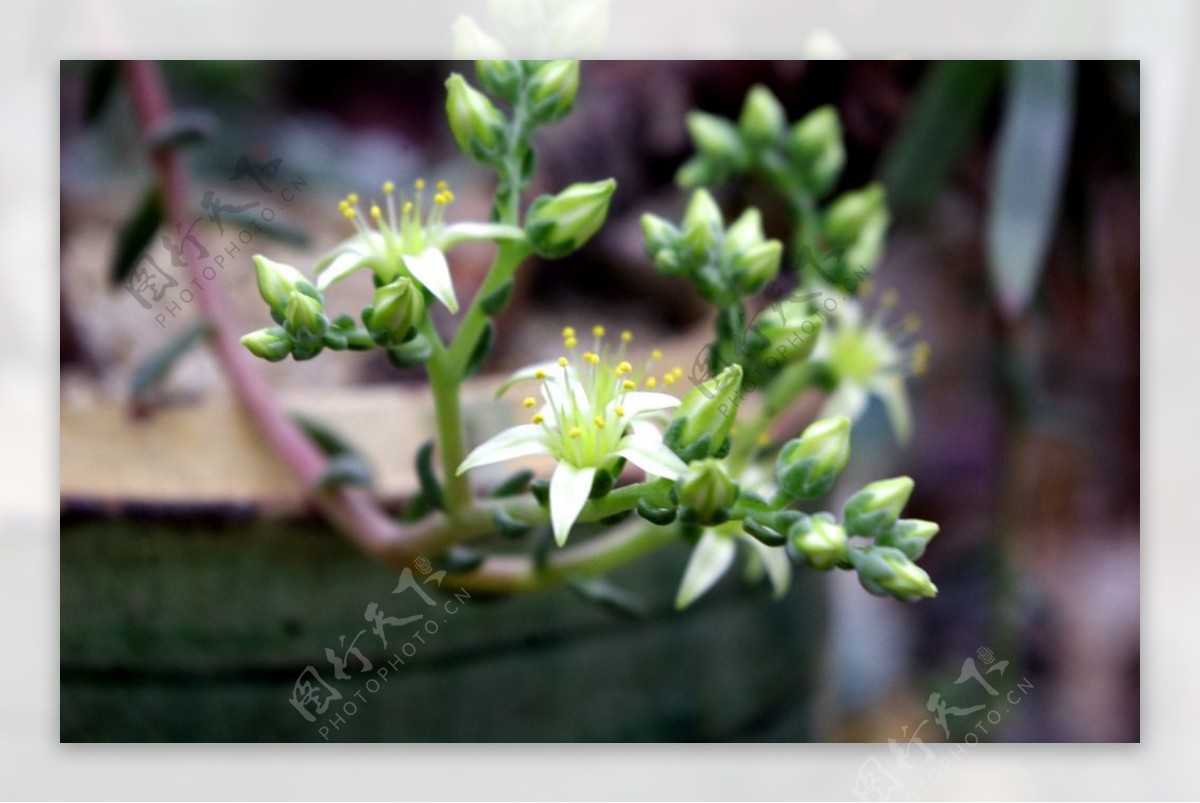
<point>706,414</point>
<point>276,281</point>
<point>910,536</point>
<point>702,223</point>
<point>886,570</point>
<point>477,125</point>
<point>808,466</point>
<point>559,224</point>
<point>552,90</point>
<point>271,344</point>
<point>699,171</point>
<point>715,137</point>
<point>304,317</point>
<point>706,492</point>
<point>873,510</point>
<point>758,265</point>
<point>788,330</point>
<point>815,145</point>
<point>658,234</point>
<point>818,542</point>
<point>501,77</point>
<point>395,310</point>
<point>847,216</point>
<point>763,119</point>
<point>746,232</point>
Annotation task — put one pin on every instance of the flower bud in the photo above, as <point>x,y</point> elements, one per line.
<point>746,232</point>
<point>808,466</point>
<point>276,281</point>
<point>788,330</point>
<point>396,309</point>
<point>705,416</point>
<point>815,145</point>
<point>701,223</point>
<point>763,118</point>
<point>818,541</point>
<point>699,171</point>
<point>758,265</point>
<point>304,317</point>
<point>658,234</point>
<point>706,492</point>
<point>873,510</point>
<point>715,137</point>
<point>847,216</point>
<point>886,570</point>
<point>271,344</point>
<point>477,125</point>
<point>501,77</point>
<point>910,536</point>
<point>559,224</point>
<point>552,90</point>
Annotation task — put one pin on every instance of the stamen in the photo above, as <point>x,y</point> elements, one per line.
<point>528,401</point>
<point>352,198</point>
<point>628,384</point>
<point>651,382</point>
<point>626,336</point>
<point>539,374</point>
<point>669,379</point>
<point>574,433</point>
<point>442,186</point>
<point>598,331</point>
<point>656,355</point>
<point>376,212</point>
<point>389,187</point>
<point>620,411</point>
<point>599,422</point>
<point>624,367</point>
<point>866,288</point>
<point>570,342</point>
<point>890,297</point>
<point>408,207</point>
<point>419,184</point>
<point>562,362</point>
<point>678,372</point>
<point>912,322</point>
<point>568,331</point>
<point>538,418</point>
<point>349,213</point>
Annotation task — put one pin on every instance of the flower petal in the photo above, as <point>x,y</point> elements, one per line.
<point>637,402</point>
<point>650,454</point>
<point>710,560</point>
<point>430,269</point>
<point>895,400</point>
<point>457,233</point>
<point>339,268</point>
<point>569,490</point>
<point>521,441</point>
<point>354,244</point>
<point>529,373</point>
<point>849,399</point>
<point>775,561</point>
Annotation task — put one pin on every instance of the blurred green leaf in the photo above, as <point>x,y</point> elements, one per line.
<point>936,132</point>
<point>1028,169</point>
<point>346,466</point>
<point>275,229</point>
<point>155,368</point>
<point>134,237</point>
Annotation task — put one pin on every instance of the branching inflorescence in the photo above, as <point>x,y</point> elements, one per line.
<point>710,479</point>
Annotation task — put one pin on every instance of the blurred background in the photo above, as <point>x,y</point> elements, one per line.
<point>196,585</point>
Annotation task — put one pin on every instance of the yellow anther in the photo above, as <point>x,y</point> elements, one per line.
<point>592,357</point>
<point>570,342</point>
<point>538,418</point>
<point>764,439</point>
<point>407,208</point>
<point>568,331</point>
<point>375,212</point>
<point>912,322</point>
<point>624,367</point>
<point>442,186</point>
<point>419,184</point>
<point>449,196</point>
<point>866,288</point>
<point>439,199</point>
<point>620,411</point>
<point>349,213</point>
<point>733,430</point>
<point>539,374</point>
<point>352,197</point>
<point>389,187</point>
<point>598,331</point>
<point>920,358</point>
<point>651,382</point>
<point>528,401</point>
<point>890,297</point>
<point>626,336</point>
<point>343,205</point>
<point>669,379</point>
<point>678,372</point>
<point>656,355</point>
<point>574,433</point>
<point>599,422</point>
<point>562,362</point>
<point>628,384</point>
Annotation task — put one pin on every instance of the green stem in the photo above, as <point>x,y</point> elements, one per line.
<point>789,384</point>
<point>445,383</point>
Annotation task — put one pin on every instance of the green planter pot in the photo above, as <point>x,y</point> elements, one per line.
<point>200,633</point>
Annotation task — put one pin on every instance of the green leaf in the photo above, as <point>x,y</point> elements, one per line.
<point>275,229</point>
<point>512,486</point>
<point>611,598</point>
<point>1028,170</point>
<point>431,487</point>
<point>494,302</point>
<point>134,237</point>
<point>345,469</point>
<point>155,368</point>
<point>936,131</point>
<point>483,348</point>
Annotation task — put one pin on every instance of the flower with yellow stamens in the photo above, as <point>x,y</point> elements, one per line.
<point>592,417</point>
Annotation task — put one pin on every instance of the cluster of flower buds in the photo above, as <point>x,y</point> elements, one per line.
<point>725,263</point>
<point>887,566</point>
<point>299,308</point>
<point>855,226</point>
<point>706,492</point>
<point>705,417</point>
<point>760,140</point>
